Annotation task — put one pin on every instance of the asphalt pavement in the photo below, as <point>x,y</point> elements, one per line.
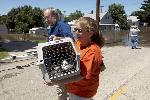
<point>126,77</point>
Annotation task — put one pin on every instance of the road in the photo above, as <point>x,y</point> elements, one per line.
<point>126,77</point>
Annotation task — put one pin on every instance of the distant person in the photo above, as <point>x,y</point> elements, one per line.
<point>89,43</point>
<point>134,36</point>
<point>58,29</point>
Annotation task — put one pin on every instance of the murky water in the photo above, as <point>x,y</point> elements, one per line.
<point>113,38</point>
<point>144,37</point>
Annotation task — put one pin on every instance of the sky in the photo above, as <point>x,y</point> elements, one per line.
<point>70,6</point>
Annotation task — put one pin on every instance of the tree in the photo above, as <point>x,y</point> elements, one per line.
<point>146,11</point>
<point>73,16</point>
<point>21,27</point>
<point>118,14</point>
<point>21,19</point>
<point>139,14</point>
<point>3,19</point>
<point>59,11</point>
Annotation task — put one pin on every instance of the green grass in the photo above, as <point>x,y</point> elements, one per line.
<point>38,41</point>
<point>3,53</point>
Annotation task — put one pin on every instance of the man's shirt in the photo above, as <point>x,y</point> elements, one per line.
<point>134,32</point>
<point>60,29</point>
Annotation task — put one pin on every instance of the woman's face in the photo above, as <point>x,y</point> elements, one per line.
<point>83,35</point>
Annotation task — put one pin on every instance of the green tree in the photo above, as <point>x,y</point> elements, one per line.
<point>146,11</point>
<point>118,14</point>
<point>73,16</point>
<point>3,19</point>
<point>21,27</point>
<point>140,15</point>
<point>37,17</point>
<point>59,11</point>
<point>21,19</point>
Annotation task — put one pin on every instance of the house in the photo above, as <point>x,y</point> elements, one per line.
<point>72,25</point>
<point>38,30</point>
<point>106,21</point>
<point>133,20</point>
<point>3,29</point>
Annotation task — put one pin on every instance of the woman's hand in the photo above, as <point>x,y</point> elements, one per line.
<point>54,38</point>
<point>49,83</point>
<point>51,37</point>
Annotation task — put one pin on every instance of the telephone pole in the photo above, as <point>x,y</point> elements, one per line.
<point>98,12</point>
<point>101,9</point>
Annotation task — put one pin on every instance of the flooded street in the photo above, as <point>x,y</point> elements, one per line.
<point>144,37</point>
<point>122,37</point>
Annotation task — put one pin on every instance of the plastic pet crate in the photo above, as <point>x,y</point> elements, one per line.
<point>59,59</point>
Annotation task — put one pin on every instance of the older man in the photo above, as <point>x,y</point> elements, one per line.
<point>57,26</point>
<point>57,29</point>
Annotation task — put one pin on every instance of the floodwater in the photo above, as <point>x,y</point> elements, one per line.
<point>144,37</point>
<point>122,37</point>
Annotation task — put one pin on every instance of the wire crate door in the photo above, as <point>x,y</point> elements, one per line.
<point>61,60</point>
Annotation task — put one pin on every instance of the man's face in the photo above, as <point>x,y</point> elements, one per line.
<point>48,18</point>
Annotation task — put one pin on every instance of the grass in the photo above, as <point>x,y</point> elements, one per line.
<point>38,41</point>
<point>3,53</point>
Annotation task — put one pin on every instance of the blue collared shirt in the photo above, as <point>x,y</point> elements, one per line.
<point>60,29</point>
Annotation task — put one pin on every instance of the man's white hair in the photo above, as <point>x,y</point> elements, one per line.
<point>54,13</point>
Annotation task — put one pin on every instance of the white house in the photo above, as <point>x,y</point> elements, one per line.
<point>133,20</point>
<point>106,21</point>
<point>72,25</point>
<point>3,29</point>
<point>38,30</point>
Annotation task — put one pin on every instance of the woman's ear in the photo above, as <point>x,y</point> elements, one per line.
<point>92,34</point>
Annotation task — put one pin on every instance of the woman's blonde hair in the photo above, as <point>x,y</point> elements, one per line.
<point>89,24</point>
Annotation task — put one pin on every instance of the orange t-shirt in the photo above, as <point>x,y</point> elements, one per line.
<point>90,60</point>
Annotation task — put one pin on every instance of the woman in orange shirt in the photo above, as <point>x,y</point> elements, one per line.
<point>88,44</point>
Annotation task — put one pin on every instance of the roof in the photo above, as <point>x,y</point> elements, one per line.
<point>133,18</point>
<point>71,23</point>
<point>94,15</point>
<point>108,24</point>
<point>133,26</point>
<point>3,29</point>
<point>36,28</point>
